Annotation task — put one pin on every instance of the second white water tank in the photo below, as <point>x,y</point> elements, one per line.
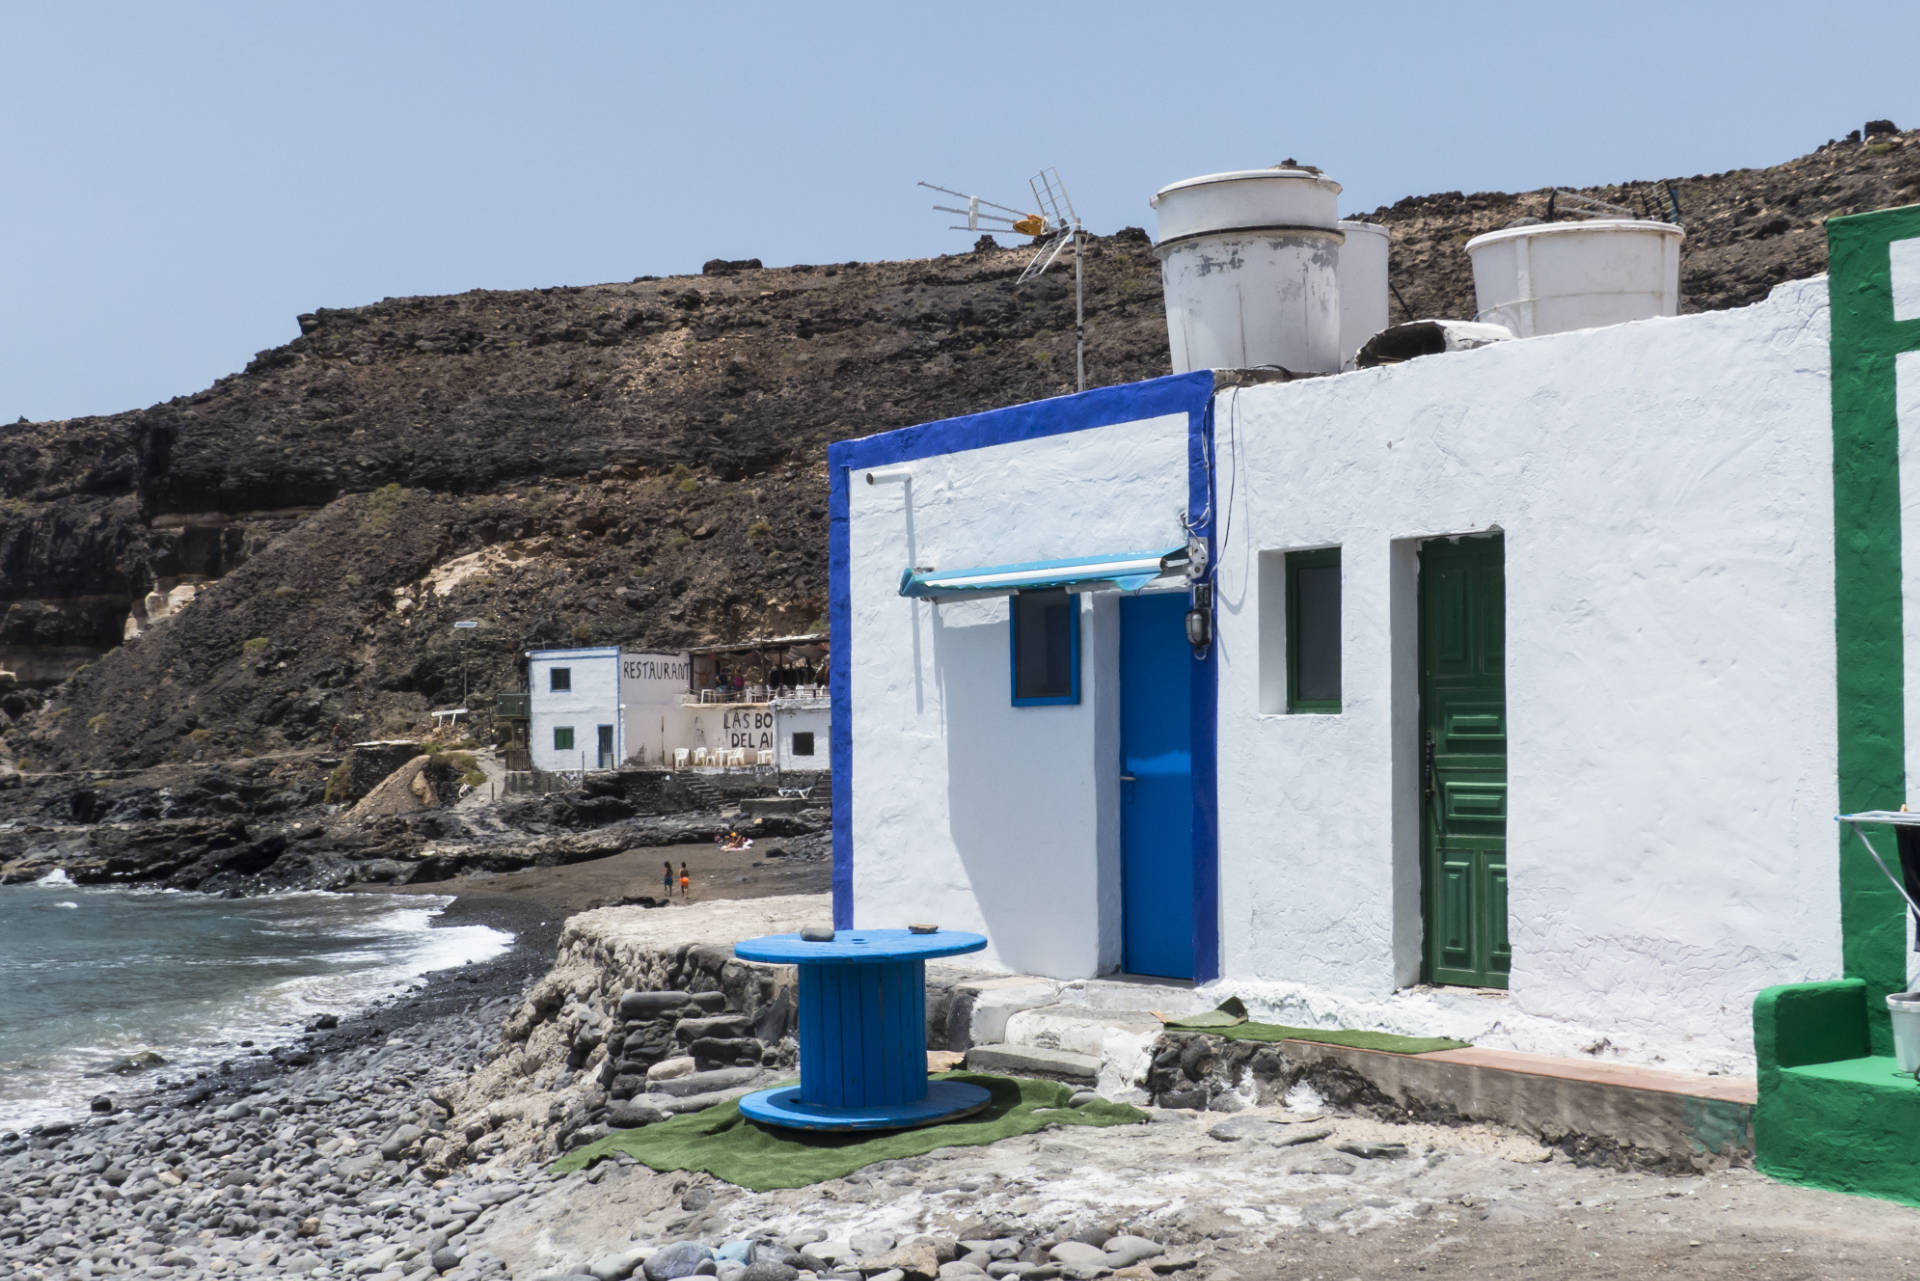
<point>1363,286</point>
<point>1551,277</point>
<point>1249,262</point>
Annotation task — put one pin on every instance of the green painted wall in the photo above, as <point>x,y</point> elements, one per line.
<point>1828,1116</point>
<point>1865,339</point>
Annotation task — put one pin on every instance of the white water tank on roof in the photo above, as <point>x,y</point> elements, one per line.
<point>1555,276</point>
<point>1363,286</point>
<point>1249,262</point>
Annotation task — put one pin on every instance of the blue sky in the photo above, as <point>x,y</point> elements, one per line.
<point>181,180</point>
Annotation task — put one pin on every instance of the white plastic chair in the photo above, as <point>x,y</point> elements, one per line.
<point>680,757</point>
<point>766,757</point>
<point>699,756</point>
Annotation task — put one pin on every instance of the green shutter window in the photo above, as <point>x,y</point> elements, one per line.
<point>1313,630</point>
<point>563,738</point>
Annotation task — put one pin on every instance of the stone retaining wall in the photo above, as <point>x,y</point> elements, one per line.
<point>635,1022</point>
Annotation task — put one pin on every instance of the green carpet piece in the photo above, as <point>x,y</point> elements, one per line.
<point>1387,1041</point>
<point>726,1145</point>
<point>1231,1012</point>
<point>1229,1019</point>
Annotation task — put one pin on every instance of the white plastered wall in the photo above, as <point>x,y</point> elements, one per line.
<point>968,811</point>
<point>812,717</point>
<point>652,685</point>
<point>593,700</point>
<point>1665,489</point>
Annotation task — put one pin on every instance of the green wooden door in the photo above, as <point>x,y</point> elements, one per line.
<point>1463,745</point>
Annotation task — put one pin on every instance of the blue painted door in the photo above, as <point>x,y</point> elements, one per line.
<point>1156,786</point>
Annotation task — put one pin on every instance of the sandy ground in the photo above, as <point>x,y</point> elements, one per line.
<point>1471,1201</point>
<point>1466,1202</point>
<point>630,874</point>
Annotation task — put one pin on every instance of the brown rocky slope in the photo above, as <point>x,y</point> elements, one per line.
<point>639,461</point>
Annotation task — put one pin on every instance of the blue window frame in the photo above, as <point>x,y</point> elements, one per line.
<point>1044,643</point>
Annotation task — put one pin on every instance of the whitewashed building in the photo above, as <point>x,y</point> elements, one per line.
<point>803,734</point>
<point>653,692</point>
<point>1493,694</point>
<point>574,708</point>
<point>605,707</point>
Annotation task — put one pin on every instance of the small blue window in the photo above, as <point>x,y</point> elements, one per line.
<point>1046,648</point>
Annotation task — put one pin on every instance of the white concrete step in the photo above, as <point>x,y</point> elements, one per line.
<point>1027,1060</point>
<point>1076,1028</point>
<point>1132,996</point>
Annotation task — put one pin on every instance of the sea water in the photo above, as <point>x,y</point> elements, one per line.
<point>90,975</point>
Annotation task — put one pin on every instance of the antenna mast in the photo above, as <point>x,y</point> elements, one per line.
<point>1056,221</point>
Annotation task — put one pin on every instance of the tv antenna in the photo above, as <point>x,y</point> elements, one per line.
<point>1058,226</point>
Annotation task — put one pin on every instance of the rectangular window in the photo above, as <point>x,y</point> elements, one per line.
<point>1313,630</point>
<point>560,678</point>
<point>803,744</point>
<point>1046,648</point>
<point>563,738</point>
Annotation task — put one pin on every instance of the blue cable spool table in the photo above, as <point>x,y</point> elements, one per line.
<point>863,1032</point>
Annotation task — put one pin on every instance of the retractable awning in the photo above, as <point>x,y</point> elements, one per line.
<point>1119,572</point>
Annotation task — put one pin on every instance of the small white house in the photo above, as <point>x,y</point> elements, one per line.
<point>574,708</point>
<point>803,734</point>
<point>1494,694</point>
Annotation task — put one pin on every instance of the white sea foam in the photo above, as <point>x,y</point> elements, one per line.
<point>58,876</point>
<point>354,952</point>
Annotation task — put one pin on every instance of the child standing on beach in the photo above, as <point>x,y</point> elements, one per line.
<point>685,880</point>
<point>666,886</point>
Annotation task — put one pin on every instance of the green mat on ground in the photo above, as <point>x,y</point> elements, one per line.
<point>1387,1041</point>
<point>728,1146</point>
<point>1229,1019</point>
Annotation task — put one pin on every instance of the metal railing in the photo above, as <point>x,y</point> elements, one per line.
<point>751,694</point>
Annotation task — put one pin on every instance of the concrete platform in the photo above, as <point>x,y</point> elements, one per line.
<point>1608,1112</point>
<point>1104,1032</point>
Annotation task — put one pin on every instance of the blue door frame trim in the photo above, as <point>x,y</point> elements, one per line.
<point>1190,394</point>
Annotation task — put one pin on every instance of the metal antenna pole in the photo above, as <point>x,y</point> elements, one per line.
<point>1079,310</point>
<point>1056,224</point>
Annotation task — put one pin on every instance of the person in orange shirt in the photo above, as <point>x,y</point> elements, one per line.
<point>686,881</point>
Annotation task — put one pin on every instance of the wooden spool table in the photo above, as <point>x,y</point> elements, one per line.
<point>863,1032</point>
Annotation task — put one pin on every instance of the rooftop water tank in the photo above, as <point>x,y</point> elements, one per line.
<point>1249,262</point>
<point>1363,286</point>
<point>1555,276</point>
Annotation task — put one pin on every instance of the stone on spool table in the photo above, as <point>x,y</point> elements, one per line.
<point>816,934</point>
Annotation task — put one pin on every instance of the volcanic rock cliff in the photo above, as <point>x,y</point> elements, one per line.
<point>275,562</point>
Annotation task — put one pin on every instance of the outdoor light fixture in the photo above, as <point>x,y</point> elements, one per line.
<point>1200,619</point>
<point>887,475</point>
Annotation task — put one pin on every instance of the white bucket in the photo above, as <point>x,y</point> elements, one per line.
<point>1904,1009</point>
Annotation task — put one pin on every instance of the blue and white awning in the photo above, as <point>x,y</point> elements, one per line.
<point>1120,572</point>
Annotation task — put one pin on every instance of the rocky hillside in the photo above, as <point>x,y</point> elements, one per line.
<point>640,461</point>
